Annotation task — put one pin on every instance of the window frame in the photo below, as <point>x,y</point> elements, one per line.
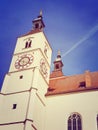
<point>75,122</point>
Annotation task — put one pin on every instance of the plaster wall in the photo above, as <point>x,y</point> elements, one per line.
<point>38,41</point>
<point>60,107</point>
<point>10,115</point>
<point>13,83</point>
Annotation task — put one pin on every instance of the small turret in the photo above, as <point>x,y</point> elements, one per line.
<point>38,23</point>
<point>58,64</point>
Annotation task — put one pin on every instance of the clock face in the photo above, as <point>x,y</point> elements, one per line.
<point>43,68</point>
<point>24,61</point>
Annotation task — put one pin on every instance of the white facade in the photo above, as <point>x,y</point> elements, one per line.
<point>60,107</point>
<point>22,96</point>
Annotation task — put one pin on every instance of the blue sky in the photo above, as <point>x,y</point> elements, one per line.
<point>71,27</point>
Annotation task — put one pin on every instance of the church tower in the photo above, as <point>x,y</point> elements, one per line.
<point>22,96</point>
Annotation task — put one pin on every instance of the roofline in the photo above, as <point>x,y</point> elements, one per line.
<point>59,77</point>
<point>73,91</point>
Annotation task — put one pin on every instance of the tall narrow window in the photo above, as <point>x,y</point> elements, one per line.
<point>74,122</point>
<point>57,66</point>
<point>28,43</point>
<point>36,25</point>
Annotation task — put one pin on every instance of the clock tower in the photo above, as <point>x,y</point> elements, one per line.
<point>23,102</point>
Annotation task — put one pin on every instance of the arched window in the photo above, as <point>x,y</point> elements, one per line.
<point>36,26</point>
<point>57,66</point>
<point>74,122</point>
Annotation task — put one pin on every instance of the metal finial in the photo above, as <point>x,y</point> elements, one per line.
<point>59,53</point>
<point>40,13</point>
<point>58,56</point>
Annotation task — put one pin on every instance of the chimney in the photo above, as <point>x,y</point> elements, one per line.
<point>88,78</point>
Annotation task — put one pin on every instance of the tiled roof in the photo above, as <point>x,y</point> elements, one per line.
<point>75,83</point>
<point>32,32</point>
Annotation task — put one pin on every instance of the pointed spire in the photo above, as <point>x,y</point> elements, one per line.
<point>40,13</point>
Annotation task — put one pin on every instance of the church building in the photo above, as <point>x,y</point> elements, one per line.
<point>32,98</point>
